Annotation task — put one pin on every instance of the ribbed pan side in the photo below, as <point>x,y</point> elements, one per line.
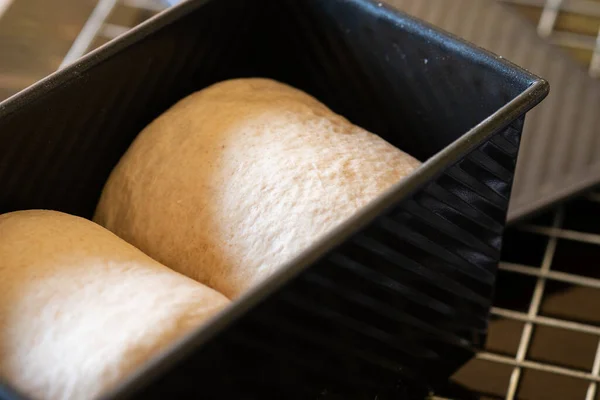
<point>560,153</point>
<point>402,301</point>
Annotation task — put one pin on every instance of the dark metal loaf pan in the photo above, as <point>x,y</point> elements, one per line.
<point>390,303</point>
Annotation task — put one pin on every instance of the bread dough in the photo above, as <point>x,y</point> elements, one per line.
<point>80,308</point>
<point>240,177</point>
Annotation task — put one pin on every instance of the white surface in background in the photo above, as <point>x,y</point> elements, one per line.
<point>4,6</point>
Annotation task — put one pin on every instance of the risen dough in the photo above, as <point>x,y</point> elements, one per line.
<point>240,177</point>
<point>80,308</point>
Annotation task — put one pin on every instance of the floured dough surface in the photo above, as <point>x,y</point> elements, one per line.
<point>240,177</point>
<point>80,309</point>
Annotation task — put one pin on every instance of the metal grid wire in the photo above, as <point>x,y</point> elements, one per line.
<point>567,229</point>
<point>529,316</point>
<point>567,35</point>
<point>532,317</point>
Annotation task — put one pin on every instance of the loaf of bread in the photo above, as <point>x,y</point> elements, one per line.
<point>80,308</point>
<point>240,177</point>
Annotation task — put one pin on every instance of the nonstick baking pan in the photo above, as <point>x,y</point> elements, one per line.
<point>560,153</point>
<point>391,302</point>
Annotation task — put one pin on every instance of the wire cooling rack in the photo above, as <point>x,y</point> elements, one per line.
<point>544,337</point>
<point>572,24</point>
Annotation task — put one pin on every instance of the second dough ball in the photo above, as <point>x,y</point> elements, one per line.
<point>80,309</point>
<point>238,178</point>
